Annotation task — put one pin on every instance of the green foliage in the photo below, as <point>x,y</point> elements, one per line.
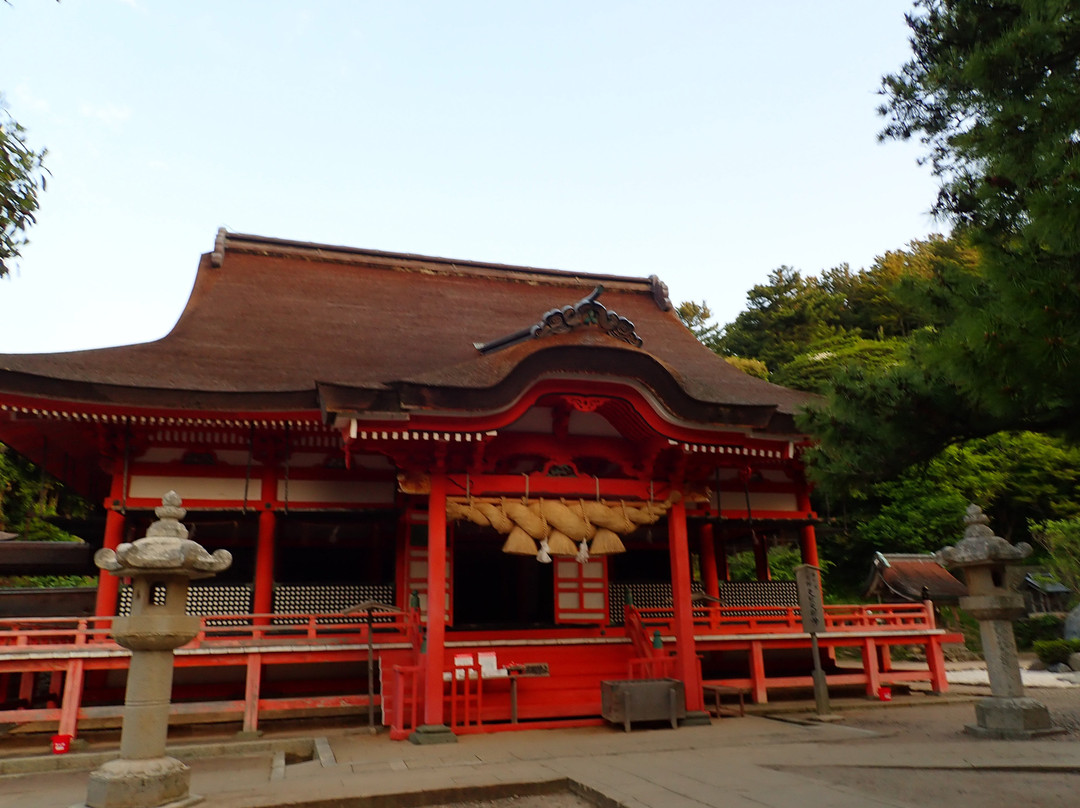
<point>752,367</point>
<point>698,318</point>
<point>1038,628</point>
<point>876,422</point>
<point>884,407</point>
<point>914,514</point>
<point>49,581</point>
<point>783,559</point>
<point>993,92</point>
<point>1061,538</point>
<point>782,316</point>
<point>28,500</point>
<point>22,177</point>
<point>791,315</point>
<point>1015,477</point>
<point>1055,652</point>
<point>814,370</point>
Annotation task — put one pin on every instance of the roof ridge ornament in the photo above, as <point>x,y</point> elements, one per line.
<point>562,320</point>
<point>217,257</point>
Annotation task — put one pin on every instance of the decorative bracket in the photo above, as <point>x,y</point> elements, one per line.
<point>585,312</point>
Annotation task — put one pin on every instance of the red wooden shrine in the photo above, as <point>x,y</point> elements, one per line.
<point>359,426</point>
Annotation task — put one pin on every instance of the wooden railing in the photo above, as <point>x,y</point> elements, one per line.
<point>219,630</point>
<point>649,662</point>
<point>20,632</point>
<point>656,667</point>
<point>404,701</point>
<point>414,629</point>
<point>734,620</point>
<point>466,697</point>
<point>636,631</point>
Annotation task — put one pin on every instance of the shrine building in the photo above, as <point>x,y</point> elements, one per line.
<point>504,485</point>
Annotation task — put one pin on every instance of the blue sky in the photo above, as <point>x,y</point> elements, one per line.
<point>704,142</point>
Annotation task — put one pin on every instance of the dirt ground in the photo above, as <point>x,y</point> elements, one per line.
<point>949,787</point>
<point>562,799</point>
<point>961,785</point>
<point>945,722</point>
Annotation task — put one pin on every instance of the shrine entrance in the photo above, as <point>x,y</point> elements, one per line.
<point>497,590</point>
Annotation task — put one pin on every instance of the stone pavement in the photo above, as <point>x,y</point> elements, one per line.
<point>736,762</point>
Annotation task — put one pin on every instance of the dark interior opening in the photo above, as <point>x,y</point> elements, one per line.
<point>346,548</point>
<point>493,589</point>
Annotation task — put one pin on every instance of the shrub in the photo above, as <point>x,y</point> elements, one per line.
<point>1041,627</point>
<point>1053,652</point>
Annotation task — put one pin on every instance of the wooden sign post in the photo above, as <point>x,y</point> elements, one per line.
<point>812,611</point>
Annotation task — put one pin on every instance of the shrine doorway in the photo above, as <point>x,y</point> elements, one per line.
<point>497,590</point>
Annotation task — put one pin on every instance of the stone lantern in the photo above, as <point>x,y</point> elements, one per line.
<point>161,566</point>
<point>984,558</point>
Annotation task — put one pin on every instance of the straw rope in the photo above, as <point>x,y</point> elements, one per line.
<point>562,528</point>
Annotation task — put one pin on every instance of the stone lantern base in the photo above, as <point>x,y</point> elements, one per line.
<point>158,782</point>
<point>1011,719</point>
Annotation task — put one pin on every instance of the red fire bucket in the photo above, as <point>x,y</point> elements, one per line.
<point>884,693</point>
<point>61,744</point>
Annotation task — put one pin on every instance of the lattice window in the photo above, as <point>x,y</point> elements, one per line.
<point>328,599</point>
<point>648,596</point>
<point>580,591</point>
<point>759,593</point>
<point>203,599</point>
<point>732,593</point>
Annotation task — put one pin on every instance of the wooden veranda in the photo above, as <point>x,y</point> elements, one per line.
<point>53,670</point>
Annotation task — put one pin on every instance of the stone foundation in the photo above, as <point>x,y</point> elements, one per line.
<point>1011,719</point>
<point>123,783</point>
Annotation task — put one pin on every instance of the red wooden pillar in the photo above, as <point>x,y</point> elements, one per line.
<point>72,699</point>
<point>108,584</point>
<point>26,688</point>
<point>263,601</point>
<point>709,577</point>
<point>807,536</point>
<point>935,660</point>
<point>761,558</point>
<point>436,601</point>
<point>252,687</point>
<point>758,691</point>
<point>870,666</point>
<point>686,665</point>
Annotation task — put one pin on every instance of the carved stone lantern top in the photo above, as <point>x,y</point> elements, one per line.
<point>165,551</point>
<point>980,547</point>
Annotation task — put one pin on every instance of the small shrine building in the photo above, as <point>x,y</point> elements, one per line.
<point>506,484</point>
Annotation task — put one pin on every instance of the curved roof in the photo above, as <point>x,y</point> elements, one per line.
<point>271,323</point>
<point>907,575</point>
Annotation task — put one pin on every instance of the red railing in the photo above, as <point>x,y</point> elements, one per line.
<point>466,696</point>
<point>414,629</point>
<point>650,662</point>
<point>404,701</point>
<point>219,629</point>
<point>635,629</point>
<point>28,631</point>
<point>734,620</point>
<point>657,667</point>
